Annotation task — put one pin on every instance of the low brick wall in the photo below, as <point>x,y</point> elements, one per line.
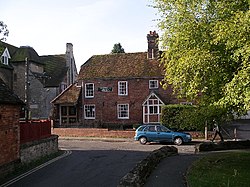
<point>105,133</point>
<point>33,150</point>
<point>93,132</point>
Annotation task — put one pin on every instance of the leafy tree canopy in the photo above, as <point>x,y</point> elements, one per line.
<point>4,32</point>
<point>117,49</point>
<point>207,50</point>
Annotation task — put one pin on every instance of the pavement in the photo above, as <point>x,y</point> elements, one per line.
<point>171,171</point>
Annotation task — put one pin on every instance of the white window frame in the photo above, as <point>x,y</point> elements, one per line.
<point>155,105</point>
<point>5,57</point>
<point>5,60</point>
<point>121,110</point>
<point>153,84</point>
<point>122,88</point>
<point>92,116</point>
<point>89,93</point>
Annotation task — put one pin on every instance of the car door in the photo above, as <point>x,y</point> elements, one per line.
<point>151,133</point>
<point>164,134</point>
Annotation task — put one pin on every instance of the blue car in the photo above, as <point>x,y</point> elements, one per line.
<point>160,133</point>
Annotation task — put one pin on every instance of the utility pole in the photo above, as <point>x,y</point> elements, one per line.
<point>206,135</point>
<point>26,92</point>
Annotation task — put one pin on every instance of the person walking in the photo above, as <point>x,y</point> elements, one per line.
<point>217,131</point>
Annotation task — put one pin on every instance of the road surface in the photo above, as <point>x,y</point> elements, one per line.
<point>92,163</point>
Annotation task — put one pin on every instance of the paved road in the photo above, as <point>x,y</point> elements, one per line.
<point>92,163</point>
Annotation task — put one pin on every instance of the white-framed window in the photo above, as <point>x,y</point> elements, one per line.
<point>123,111</point>
<point>5,60</point>
<point>154,106</point>
<point>123,88</point>
<point>5,57</point>
<point>153,84</point>
<point>89,90</point>
<point>89,111</point>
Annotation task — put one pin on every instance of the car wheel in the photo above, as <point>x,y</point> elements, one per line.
<point>143,140</point>
<point>178,141</point>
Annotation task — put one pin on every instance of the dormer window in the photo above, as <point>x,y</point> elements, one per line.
<point>5,60</point>
<point>5,57</point>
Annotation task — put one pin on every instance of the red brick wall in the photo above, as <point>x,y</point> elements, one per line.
<point>9,133</point>
<point>106,102</point>
<point>92,132</point>
<point>105,133</point>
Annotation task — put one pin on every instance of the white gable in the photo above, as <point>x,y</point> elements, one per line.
<point>5,57</point>
<point>6,53</point>
<point>152,95</point>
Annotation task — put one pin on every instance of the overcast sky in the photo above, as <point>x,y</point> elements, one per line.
<point>92,26</point>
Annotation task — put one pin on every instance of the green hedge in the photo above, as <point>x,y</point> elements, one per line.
<point>189,117</point>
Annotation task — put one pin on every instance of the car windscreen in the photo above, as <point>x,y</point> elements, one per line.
<point>141,128</point>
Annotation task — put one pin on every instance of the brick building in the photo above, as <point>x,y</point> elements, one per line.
<point>10,106</point>
<point>117,89</point>
<point>36,79</point>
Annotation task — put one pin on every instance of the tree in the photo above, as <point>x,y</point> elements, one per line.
<point>4,32</point>
<point>208,50</point>
<point>117,49</point>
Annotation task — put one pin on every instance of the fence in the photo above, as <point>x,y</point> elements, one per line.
<point>34,130</point>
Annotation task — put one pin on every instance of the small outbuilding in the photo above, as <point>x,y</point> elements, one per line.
<point>10,107</point>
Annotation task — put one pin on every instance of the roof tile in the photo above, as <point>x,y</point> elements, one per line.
<point>120,65</point>
<point>55,68</point>
<point>7,96</point>
<point>68,96</point>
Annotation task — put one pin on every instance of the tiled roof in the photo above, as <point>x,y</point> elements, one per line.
<point>7,96</point>
<point>55,65</point>
<point>19,54</point>
<point>12,49</point>
<point>55,68</point>
<point>68,96</point>
<point>26,52</point>
<point>121,65</point>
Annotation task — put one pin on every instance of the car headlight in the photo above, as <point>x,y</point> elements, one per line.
<point>188,136</point>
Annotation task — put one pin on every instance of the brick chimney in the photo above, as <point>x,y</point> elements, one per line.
<point>153,50</point>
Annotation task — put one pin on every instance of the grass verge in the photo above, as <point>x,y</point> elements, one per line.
<point>221,170</point>
<point>22,168</point>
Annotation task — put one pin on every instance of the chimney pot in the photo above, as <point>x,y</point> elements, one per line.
<point>153,50</point>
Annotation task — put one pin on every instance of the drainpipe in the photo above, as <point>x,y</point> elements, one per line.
<point>26,92</point>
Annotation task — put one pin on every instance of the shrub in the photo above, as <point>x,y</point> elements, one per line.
<point>189,117</point>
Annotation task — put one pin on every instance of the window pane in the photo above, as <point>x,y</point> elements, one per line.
<point>72,110</point>
<point>64,110</point>
<point>89,111</point>
<point>153,84</point>
<point>151,129</point>
<point>89,90</point>
<point>72,120</point>
<point>122,88</point>
<point>153,109</point>
<point>123,111</point>
<point>64,120</point>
